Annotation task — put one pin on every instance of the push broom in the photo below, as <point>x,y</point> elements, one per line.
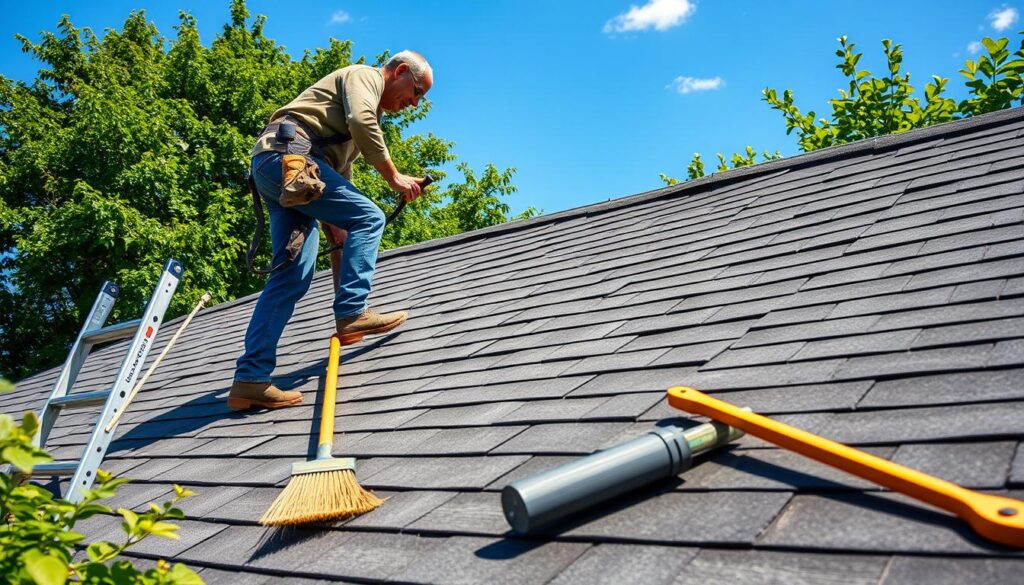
<point>996,518</point>
<point>326,487</point>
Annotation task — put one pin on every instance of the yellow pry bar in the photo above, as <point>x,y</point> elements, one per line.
<point>996,518</point>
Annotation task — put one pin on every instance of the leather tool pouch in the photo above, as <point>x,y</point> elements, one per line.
<point>296,240</point>
<point>301,184</point>
<point>300,175</point>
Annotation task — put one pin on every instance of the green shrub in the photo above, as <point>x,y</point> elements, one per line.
<point>876,106</point>
<point>37,537</point>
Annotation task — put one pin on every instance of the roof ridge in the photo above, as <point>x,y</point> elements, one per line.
<point>717,179</point>
<point>875,144</point>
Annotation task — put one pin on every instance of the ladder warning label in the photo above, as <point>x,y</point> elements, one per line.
<point>138,356</point>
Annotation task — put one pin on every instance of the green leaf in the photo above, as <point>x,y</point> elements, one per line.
<point>1016,65</point>
<point>164,529</point>
<point>30,423</point>
<point>22,457</point>
<point>45,569</point>
<point>174,513</point>
<point>994,46</point>
<point>5,386</point>
<point>107,488</point>
<point>131,520</point>
<point>123,572</point>
<point>100,551</point>
<point>182,575</point>
<point>89,510</point>
<point>94,573</point>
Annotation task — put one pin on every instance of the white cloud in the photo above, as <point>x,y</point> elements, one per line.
<point>340,17</point>
<point>1003,18</point>
<point>974,47</point>
<point>686,85</point>
<point>657,14</point>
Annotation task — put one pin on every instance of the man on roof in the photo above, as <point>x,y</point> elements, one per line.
<point>302,170</point>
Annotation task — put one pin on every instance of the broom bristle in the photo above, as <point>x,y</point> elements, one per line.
<point>322,495</point>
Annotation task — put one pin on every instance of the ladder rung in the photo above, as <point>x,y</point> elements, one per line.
<point>55,468</point>
<point>81,400</point>
<point>111,332</point>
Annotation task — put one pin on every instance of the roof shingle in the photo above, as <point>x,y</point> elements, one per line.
<point>872,293</point>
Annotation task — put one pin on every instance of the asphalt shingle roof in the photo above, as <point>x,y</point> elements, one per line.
<point>872,293</point>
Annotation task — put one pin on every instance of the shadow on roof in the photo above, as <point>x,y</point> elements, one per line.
<point>196,414</point>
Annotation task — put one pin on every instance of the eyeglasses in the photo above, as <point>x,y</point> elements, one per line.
<point>417,89</point>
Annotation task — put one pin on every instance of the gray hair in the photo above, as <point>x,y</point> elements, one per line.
<point>416,63</point>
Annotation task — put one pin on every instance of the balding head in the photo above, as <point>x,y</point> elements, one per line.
<point>407,77</point>
<point>415,61</point>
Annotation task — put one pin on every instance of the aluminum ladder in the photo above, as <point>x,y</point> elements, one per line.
<point>144,330</point>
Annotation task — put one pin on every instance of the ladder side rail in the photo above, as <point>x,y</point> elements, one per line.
<point>130,368</point>
<point>80,350</point>
<point>101,309</point>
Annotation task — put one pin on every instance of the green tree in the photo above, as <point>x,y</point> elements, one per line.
<point>130,149</point>
<point>37,537</point>
<point>870,106</point>
<point>695,169</point>
<point>996,80</point>
<point>875,106</point>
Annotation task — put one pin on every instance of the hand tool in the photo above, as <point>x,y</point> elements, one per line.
<point>996,518</point>
<point>298,235</point>
<point>324,488</point>
<point>335,249</point>
<point>667,450</point>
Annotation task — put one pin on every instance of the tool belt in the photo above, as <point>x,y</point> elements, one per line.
<point>300,182</point>
<point>300,175</point>
<point>286,130</point>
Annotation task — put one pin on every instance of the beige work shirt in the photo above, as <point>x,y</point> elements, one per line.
<point>346,101</point>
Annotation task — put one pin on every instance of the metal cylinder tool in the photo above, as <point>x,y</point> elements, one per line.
<point>665,451</point>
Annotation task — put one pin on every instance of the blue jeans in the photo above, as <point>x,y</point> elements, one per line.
<point>342,205</point>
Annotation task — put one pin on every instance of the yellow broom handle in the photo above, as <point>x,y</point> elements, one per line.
<point>994,517</point>
<point>330,394</point>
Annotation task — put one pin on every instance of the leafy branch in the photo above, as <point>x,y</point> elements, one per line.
<point>876,106</point>
<point>37,538</point>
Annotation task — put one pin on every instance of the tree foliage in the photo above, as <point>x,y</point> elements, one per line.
<point>996,80</point>
<point>875,106</point>
<point>37,537</point>
<point>130,149</point>
<point>695,169</point>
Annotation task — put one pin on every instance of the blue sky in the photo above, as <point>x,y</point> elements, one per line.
<point>590,100</point>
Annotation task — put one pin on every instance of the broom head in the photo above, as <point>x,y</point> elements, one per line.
<point>324,489</point>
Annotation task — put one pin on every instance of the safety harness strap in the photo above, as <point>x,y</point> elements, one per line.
<point>292,249</point>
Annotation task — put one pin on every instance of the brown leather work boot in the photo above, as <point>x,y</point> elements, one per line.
<point>246,395</point>
<point>352,329</point>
